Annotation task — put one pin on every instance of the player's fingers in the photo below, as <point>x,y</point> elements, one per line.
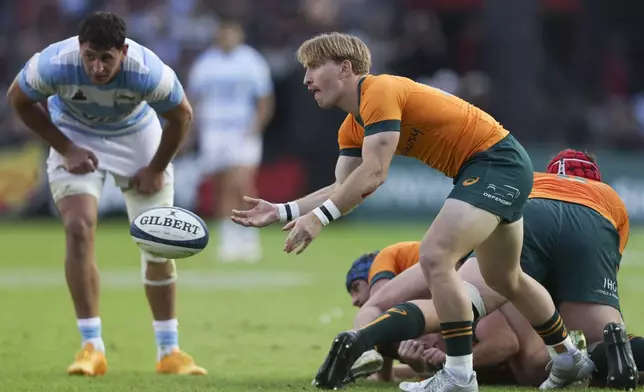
<point>84,168</point>
<point>242,214</point>
<point>288,226</point>
<point>240,221</point>
<point>293,241</point>
<point>288,244</point>
<point>251,200</point>
<point>433,356</point>
<point>90,166</point>
<point>92,157</point>
<point>304,246</point>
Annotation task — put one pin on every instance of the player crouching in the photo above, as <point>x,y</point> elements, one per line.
<point>103,94</point>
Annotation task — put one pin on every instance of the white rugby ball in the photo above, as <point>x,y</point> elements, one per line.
<point>170,232</point>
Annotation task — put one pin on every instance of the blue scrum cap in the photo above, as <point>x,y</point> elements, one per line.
<point>360,268</point>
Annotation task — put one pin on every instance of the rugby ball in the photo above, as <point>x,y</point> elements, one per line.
<point>170,232</point>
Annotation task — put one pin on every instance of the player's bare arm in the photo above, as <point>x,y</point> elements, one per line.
<point>377,153</point>
<point>343,169</point>
<point>178,120</point>
<point>33,115</point>
<point>264,213</point>
<point>264,110</point>
<point>151,178</point>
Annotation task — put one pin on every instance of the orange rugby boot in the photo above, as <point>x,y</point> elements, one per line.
<point>178,362</point>
<point>88,362</point>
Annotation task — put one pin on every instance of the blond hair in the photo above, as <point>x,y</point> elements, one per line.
<point>337,47</point>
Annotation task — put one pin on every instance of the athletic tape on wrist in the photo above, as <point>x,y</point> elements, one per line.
<point>288,211</point>
<point>327,212</point>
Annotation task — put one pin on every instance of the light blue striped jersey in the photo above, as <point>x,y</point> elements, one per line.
<point>225,87</point>
<point>121,107</point>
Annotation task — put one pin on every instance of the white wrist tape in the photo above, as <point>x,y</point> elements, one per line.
<point>288,211</point>
<point>327,212</point>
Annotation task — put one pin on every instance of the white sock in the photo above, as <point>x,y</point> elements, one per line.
<point>90,330</point>
<point>461,367</point>
<point>229,234</point>
<point>561,353</point>
<point>167,337</point>
<point>250,236</point>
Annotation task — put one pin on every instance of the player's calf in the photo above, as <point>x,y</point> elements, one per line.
<point>159,277</point>
<point>78,214</point>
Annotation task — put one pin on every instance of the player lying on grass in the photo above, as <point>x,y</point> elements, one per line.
<point>568,219</point>
<point>103,93</point>
<point>492,175</point>
<point>495,340</point>
<point>507,350</point>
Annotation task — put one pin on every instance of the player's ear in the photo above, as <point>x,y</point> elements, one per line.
<point>124,49</point>
<point>346,68</point>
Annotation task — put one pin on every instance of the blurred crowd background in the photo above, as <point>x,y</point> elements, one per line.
<point>554,72</point>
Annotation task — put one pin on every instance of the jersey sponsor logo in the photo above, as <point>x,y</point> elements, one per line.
<point>411,140</point>
<point>399,311</point>
<point>471,181</point>
<point>501,193</point>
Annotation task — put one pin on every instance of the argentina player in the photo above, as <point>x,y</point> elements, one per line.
<point>103,92</point>
<point>231,87</point>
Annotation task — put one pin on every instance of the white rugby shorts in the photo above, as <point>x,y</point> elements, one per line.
<point>121,157</point>
<point>224,150</point>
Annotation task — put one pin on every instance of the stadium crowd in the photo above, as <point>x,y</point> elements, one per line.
<point>422,40</point>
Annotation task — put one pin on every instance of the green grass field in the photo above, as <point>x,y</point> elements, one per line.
<point>261,327</point>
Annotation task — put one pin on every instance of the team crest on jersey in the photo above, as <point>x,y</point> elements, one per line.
<point>79,96</point>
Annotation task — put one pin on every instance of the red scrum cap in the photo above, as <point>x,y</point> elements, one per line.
<point>575,163</point>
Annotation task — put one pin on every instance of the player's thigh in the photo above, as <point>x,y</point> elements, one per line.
<point>591,318</point>
<point>586,264</point>
<point>75,196</point>
<point>495,183</point>
<point>407,286</point>
<point>458,228</point>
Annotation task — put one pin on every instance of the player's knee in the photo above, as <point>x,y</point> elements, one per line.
<point>436,264</point>
<point>158,272</point>
<point>79,230</point>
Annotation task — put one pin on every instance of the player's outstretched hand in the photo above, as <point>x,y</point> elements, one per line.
<point>261,214</point>
<point>80,161</point>
<point>147,181</point>
<point>303,232</point>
